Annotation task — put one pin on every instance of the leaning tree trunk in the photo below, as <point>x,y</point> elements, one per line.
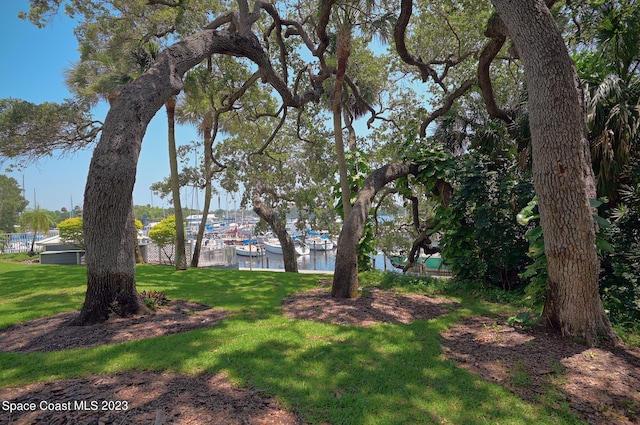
<point>345,276</point>
<point>562,172</point>
<point>108,220</point>
<point>269,215</point>
<point>181,256</point>
<point>112,291</point>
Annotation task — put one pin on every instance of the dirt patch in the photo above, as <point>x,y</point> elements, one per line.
<point>54,334</point>
<point>601,384</point>
<point>143,397</point>
<point>374,306</point>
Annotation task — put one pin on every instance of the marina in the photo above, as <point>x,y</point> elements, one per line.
<point>229,244</point>
<point>320,261</point>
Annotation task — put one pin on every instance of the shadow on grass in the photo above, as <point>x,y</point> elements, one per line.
<point>249,291</point>
<point>35,290</point>
<point>385,374</point>
<point>144,398</point>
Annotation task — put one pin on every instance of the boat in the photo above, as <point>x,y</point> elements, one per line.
<point>302,250</point>
<point>233,236</point>
<point>250,250</point>
<point>398,260</point>
<point>433,262</point>
<point>322,243</point>
<point>273,246</point>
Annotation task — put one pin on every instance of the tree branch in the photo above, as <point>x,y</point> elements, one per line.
<point>497,32</point>
<point>274,133</point>
<point>466,85</point>
<point>361,101</point>
<point>169,3</point>
<point>399,31</point>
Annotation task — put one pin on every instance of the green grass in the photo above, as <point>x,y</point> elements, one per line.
<point>384,374</point>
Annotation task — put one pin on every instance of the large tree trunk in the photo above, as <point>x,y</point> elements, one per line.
<point>345,276</point>
<point>279,228</point>
<point>562,172</point>
<point>108,221</point>
<point>181,256</point>
<point>111,288</point>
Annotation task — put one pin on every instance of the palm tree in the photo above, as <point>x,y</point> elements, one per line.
<point>613,94</point>
<point>199,107</point>
<point>181,256</point>
<point>614,123</point>
<point>37,221</point>
<point>349,14</point>
<point>207,99</point>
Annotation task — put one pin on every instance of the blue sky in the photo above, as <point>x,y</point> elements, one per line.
<point>33,64</point>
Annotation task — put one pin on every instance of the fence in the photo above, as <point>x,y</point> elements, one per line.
<point>217,257</point>
<point>13,243</point>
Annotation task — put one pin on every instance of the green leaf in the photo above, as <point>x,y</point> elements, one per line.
<point>603,245</point>
<point>602,222</point>
<point>595,203</point>
<point>534,233</point>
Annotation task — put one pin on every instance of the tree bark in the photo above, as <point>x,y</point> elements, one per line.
<point>562,172</point>
<point>345,276</point>
<point>269,215</point>
<point>108,220</point>
<point>181,256</point>
<point>111,290</point>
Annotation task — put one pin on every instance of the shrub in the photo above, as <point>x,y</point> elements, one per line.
<point>482,240</point>
<point>71,231</point>
<point>620,276</point>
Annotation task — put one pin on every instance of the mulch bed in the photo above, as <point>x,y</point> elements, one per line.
<point>374,306</point>
<point>145,397</point>
<point>54,333</point>
<point>602,384</point>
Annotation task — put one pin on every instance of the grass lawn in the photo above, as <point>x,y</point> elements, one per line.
<point>384,374</point>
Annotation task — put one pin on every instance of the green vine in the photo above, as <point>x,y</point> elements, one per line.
<point>536,272</point>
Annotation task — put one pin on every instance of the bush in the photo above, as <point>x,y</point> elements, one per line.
<point>620,276</point>
<point>19,257</point>
<point>163,234</point>
<point>71,231</point>
<point>482,240</point>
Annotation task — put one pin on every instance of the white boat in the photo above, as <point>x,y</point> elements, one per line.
<point>273,246</point>
<point>320,243</point>
<point>302,250</point>
<point>249,250</point>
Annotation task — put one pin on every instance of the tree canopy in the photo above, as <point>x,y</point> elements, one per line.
<point>286,83</point>
<point>12,203</point>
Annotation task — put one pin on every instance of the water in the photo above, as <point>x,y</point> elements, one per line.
<point>316,261</point>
